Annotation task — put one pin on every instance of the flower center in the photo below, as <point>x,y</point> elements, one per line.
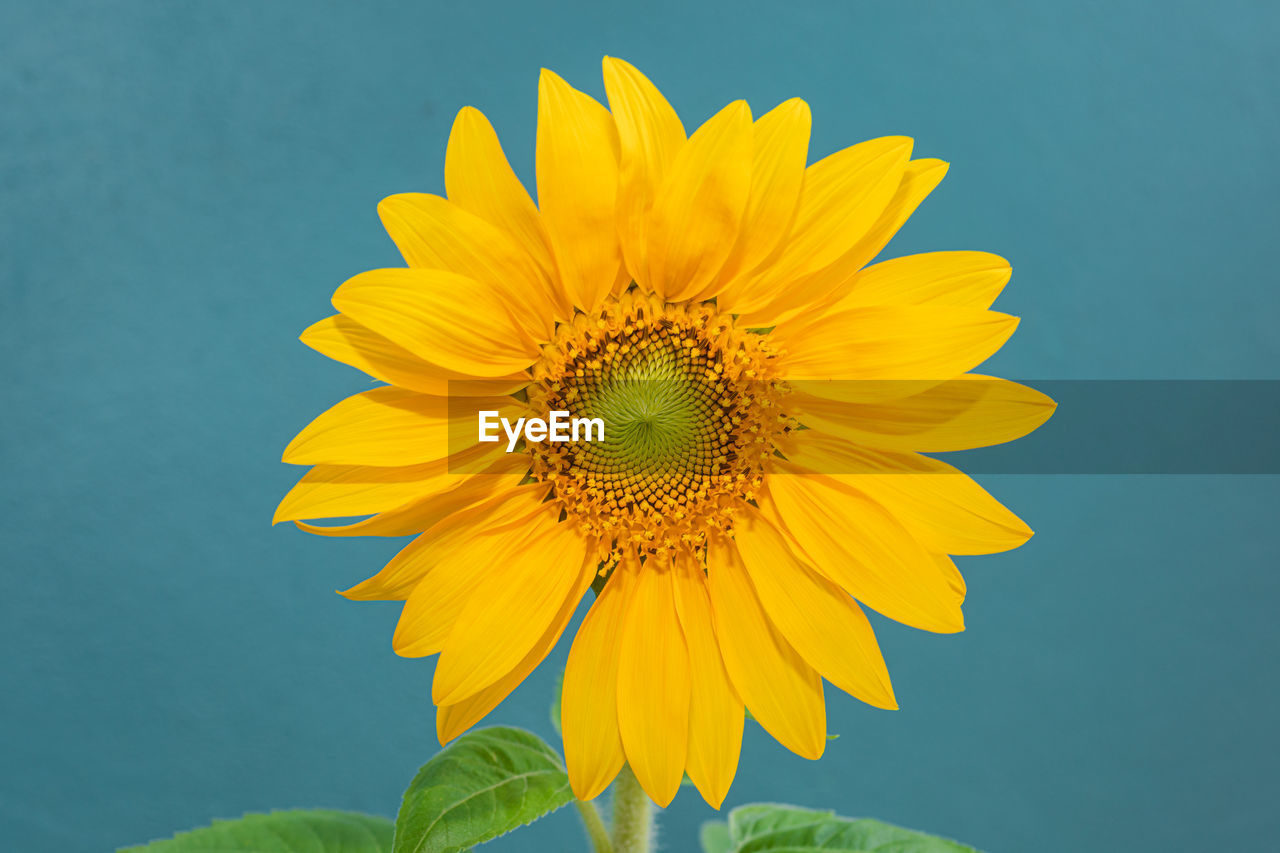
<point>690,406</point>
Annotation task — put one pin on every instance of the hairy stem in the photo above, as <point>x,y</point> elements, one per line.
<point>594,824</point>
<point>633,816</point>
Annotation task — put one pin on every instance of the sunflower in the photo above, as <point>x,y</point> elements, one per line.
<point>764,391</point>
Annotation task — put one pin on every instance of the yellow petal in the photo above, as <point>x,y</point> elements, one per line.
<point>577,163</point>
<point>857,543</point>
<point>521,585</point>
<point>438,595</point>
<point>343,339</point>
<point>715,711</point>
<point>771,307</point>
<point>418,515</point>
<point>649,135</point>
<point>453,720</point>
<point>338,491</point>
<point>445,318</point>
<point>888,347</point>
<point>970,411</point>
<point>653,684</point>
<point>842,197</point>
<point>455,542</point>
<point>920,178</point>
<point>696,215</point>
<point>782,692</point>
<point>946,510</point>
<point>781,145</point>
<point>963,279</point>
<point>390,427</point>
<point>824,625</point>
<point>589,699</point>
<point>478,178</point>
<point>954,578</point>
<point>433,233</point>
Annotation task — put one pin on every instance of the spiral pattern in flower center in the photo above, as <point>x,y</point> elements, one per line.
<point>690,408</point>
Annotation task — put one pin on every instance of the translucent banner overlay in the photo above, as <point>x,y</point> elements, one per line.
<point>1127,427</point>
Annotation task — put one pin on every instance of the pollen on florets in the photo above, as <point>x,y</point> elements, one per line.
<point>692,410</point>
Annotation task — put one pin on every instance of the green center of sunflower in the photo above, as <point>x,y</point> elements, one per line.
<point>690,409</point>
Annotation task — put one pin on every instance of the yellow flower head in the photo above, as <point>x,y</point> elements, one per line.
<point>763,393</point>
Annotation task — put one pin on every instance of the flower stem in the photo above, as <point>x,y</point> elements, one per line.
<point>594,824</point>
<point>632,815</point>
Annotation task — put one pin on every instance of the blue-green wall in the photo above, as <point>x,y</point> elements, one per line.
<point>182,185</point>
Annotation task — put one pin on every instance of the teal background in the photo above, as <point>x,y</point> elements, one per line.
<point>183,185</point>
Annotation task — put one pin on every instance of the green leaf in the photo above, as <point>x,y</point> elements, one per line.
<point>715,837</point>
<point>283,832</point>
<point>482,785</point>
<point>788,829</point>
